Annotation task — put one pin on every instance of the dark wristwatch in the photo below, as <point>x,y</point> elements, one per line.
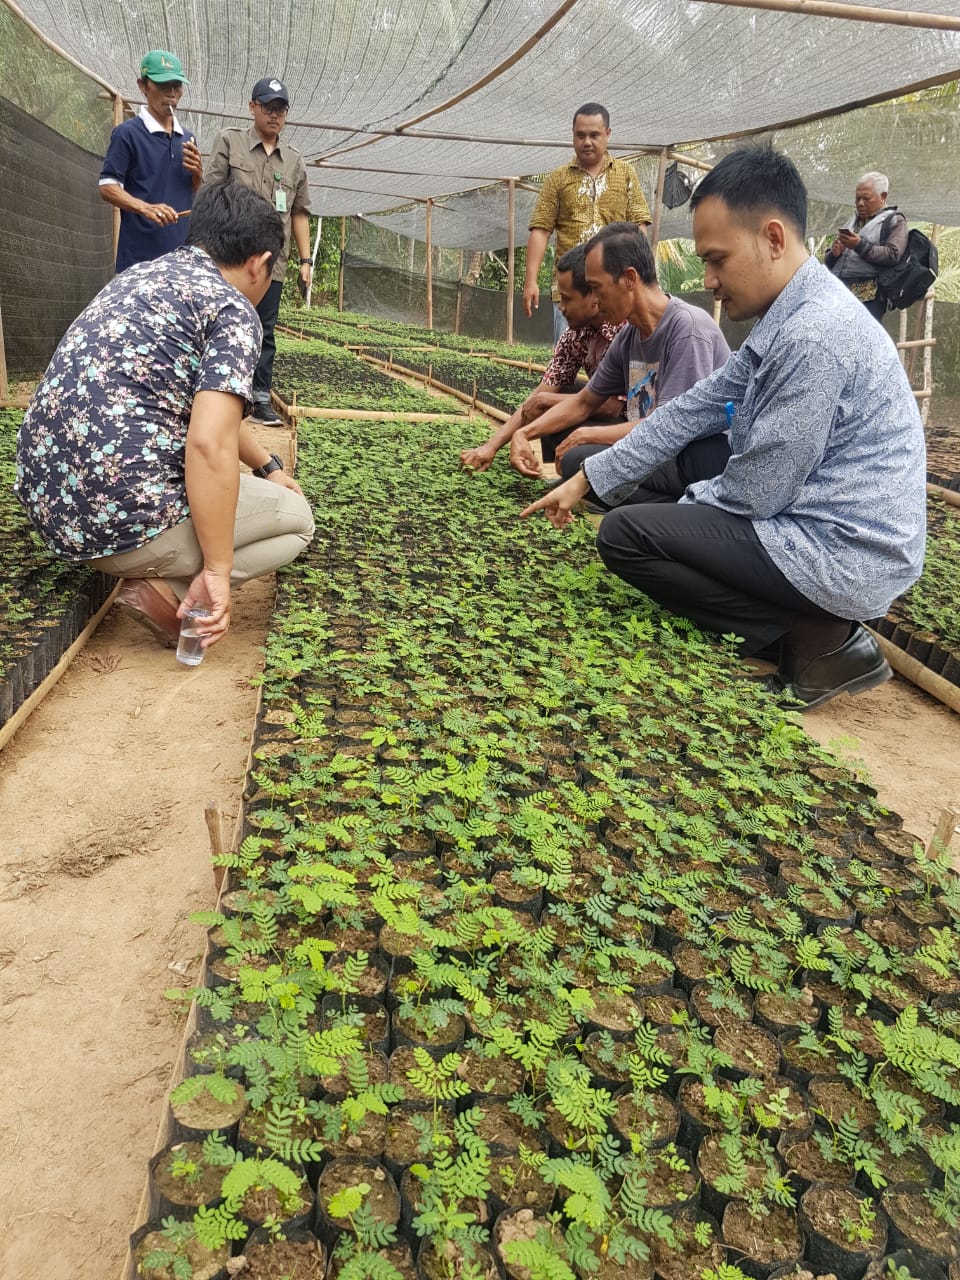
<point>268,468</point>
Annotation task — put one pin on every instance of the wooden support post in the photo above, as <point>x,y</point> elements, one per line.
<point>213,816</point>
<point>928,335</point>
<point>429,265</point>
<point>511,254</point>
<point>658,198</point>
<point>117,119</point>
<point>343,249</point>
<point>4,384</point>
<point>459,311</point>
<point>946,829</point>
<point>313,265</point>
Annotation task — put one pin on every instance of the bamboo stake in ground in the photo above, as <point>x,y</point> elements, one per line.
<point>213,816</point>
<point>946,829</point>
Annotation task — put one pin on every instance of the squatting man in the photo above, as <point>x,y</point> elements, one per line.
<point>817,518</point>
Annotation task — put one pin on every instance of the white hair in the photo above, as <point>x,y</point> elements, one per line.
<point>879,181</point>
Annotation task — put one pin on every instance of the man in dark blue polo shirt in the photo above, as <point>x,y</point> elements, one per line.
<point>152,167</point>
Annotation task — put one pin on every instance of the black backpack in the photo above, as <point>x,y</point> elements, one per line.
<point>908,280</point>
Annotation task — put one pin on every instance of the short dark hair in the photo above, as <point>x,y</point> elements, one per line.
<point>754,180</point>
<point>622,245</point>
<point>234,223</point>
<point>592,109</point>
<point>575,261</point>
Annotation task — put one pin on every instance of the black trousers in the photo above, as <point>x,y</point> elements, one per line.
<point>707,564</point>
<point>268,310</point>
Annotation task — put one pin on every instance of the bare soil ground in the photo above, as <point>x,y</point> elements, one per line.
<point>103,855</point>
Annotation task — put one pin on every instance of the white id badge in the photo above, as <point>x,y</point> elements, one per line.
<point>280,200</point>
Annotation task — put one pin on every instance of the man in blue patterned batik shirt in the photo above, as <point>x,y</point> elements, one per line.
<point>817,519</point>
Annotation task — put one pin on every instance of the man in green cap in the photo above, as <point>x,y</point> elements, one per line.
<point>275,170</point>
<point>152,167</point>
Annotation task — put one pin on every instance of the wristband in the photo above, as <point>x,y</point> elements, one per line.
<point>306,262</point>
<point>273,464</point>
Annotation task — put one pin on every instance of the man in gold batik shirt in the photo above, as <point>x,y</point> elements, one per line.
<point>579,198</point>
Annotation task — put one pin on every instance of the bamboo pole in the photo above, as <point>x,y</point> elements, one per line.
<point>361,415</point>
<point>343,248</point>
<point>658,199</point>
<point>511,252</point>
<point>117,119</point>
<point>915,342</point>
<point>929,340</point>
<point>4,383</point>
<point>313,264</point>
<point>458,313</point>
<point>429,264</point>
<point>494,74</point>
<point>905,665</point>
<point>62,53</point>
<point>852,12</point>
<point>950,496</point>
<point>486,409</point>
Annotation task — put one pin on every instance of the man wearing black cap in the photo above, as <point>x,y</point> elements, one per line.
<point>255,158</point>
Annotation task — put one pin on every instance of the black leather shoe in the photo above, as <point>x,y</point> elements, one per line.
<point>264,415</point>
<point>856,666</point>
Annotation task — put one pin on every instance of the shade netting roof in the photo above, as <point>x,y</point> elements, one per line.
<point>671,72</point>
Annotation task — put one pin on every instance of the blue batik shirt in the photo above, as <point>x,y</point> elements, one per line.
<point>827,449</point>
<point>101,449</point>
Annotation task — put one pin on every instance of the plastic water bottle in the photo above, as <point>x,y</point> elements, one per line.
<point>189,649</point>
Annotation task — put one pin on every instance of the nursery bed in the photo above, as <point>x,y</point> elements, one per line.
<point>547,811</point>
<point>45,603</point>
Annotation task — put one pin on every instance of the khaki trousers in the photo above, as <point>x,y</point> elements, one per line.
<point>273,526</point>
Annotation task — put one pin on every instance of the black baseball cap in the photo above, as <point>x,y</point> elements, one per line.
<point>270,89</point>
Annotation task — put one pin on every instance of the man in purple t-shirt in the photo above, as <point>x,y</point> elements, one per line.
<point>665,347</point>
<point>581,346</point>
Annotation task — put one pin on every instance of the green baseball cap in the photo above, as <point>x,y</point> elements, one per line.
<point>160,66</point>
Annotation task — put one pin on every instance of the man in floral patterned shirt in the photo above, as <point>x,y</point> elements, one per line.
<point>582,346</point>
<point>128,458</point>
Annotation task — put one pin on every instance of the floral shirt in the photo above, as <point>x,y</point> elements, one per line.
<point>100,452</point>
<point>577,349</point>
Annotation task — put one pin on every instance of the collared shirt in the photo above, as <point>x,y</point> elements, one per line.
<point>576,206</point>
<point>147,162</point>
<point>239,155</point>
<point>576,349</point>
<point>827,450</point>
<point>100,451</point>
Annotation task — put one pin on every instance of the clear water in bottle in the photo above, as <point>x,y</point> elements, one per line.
<point>189,650</point>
